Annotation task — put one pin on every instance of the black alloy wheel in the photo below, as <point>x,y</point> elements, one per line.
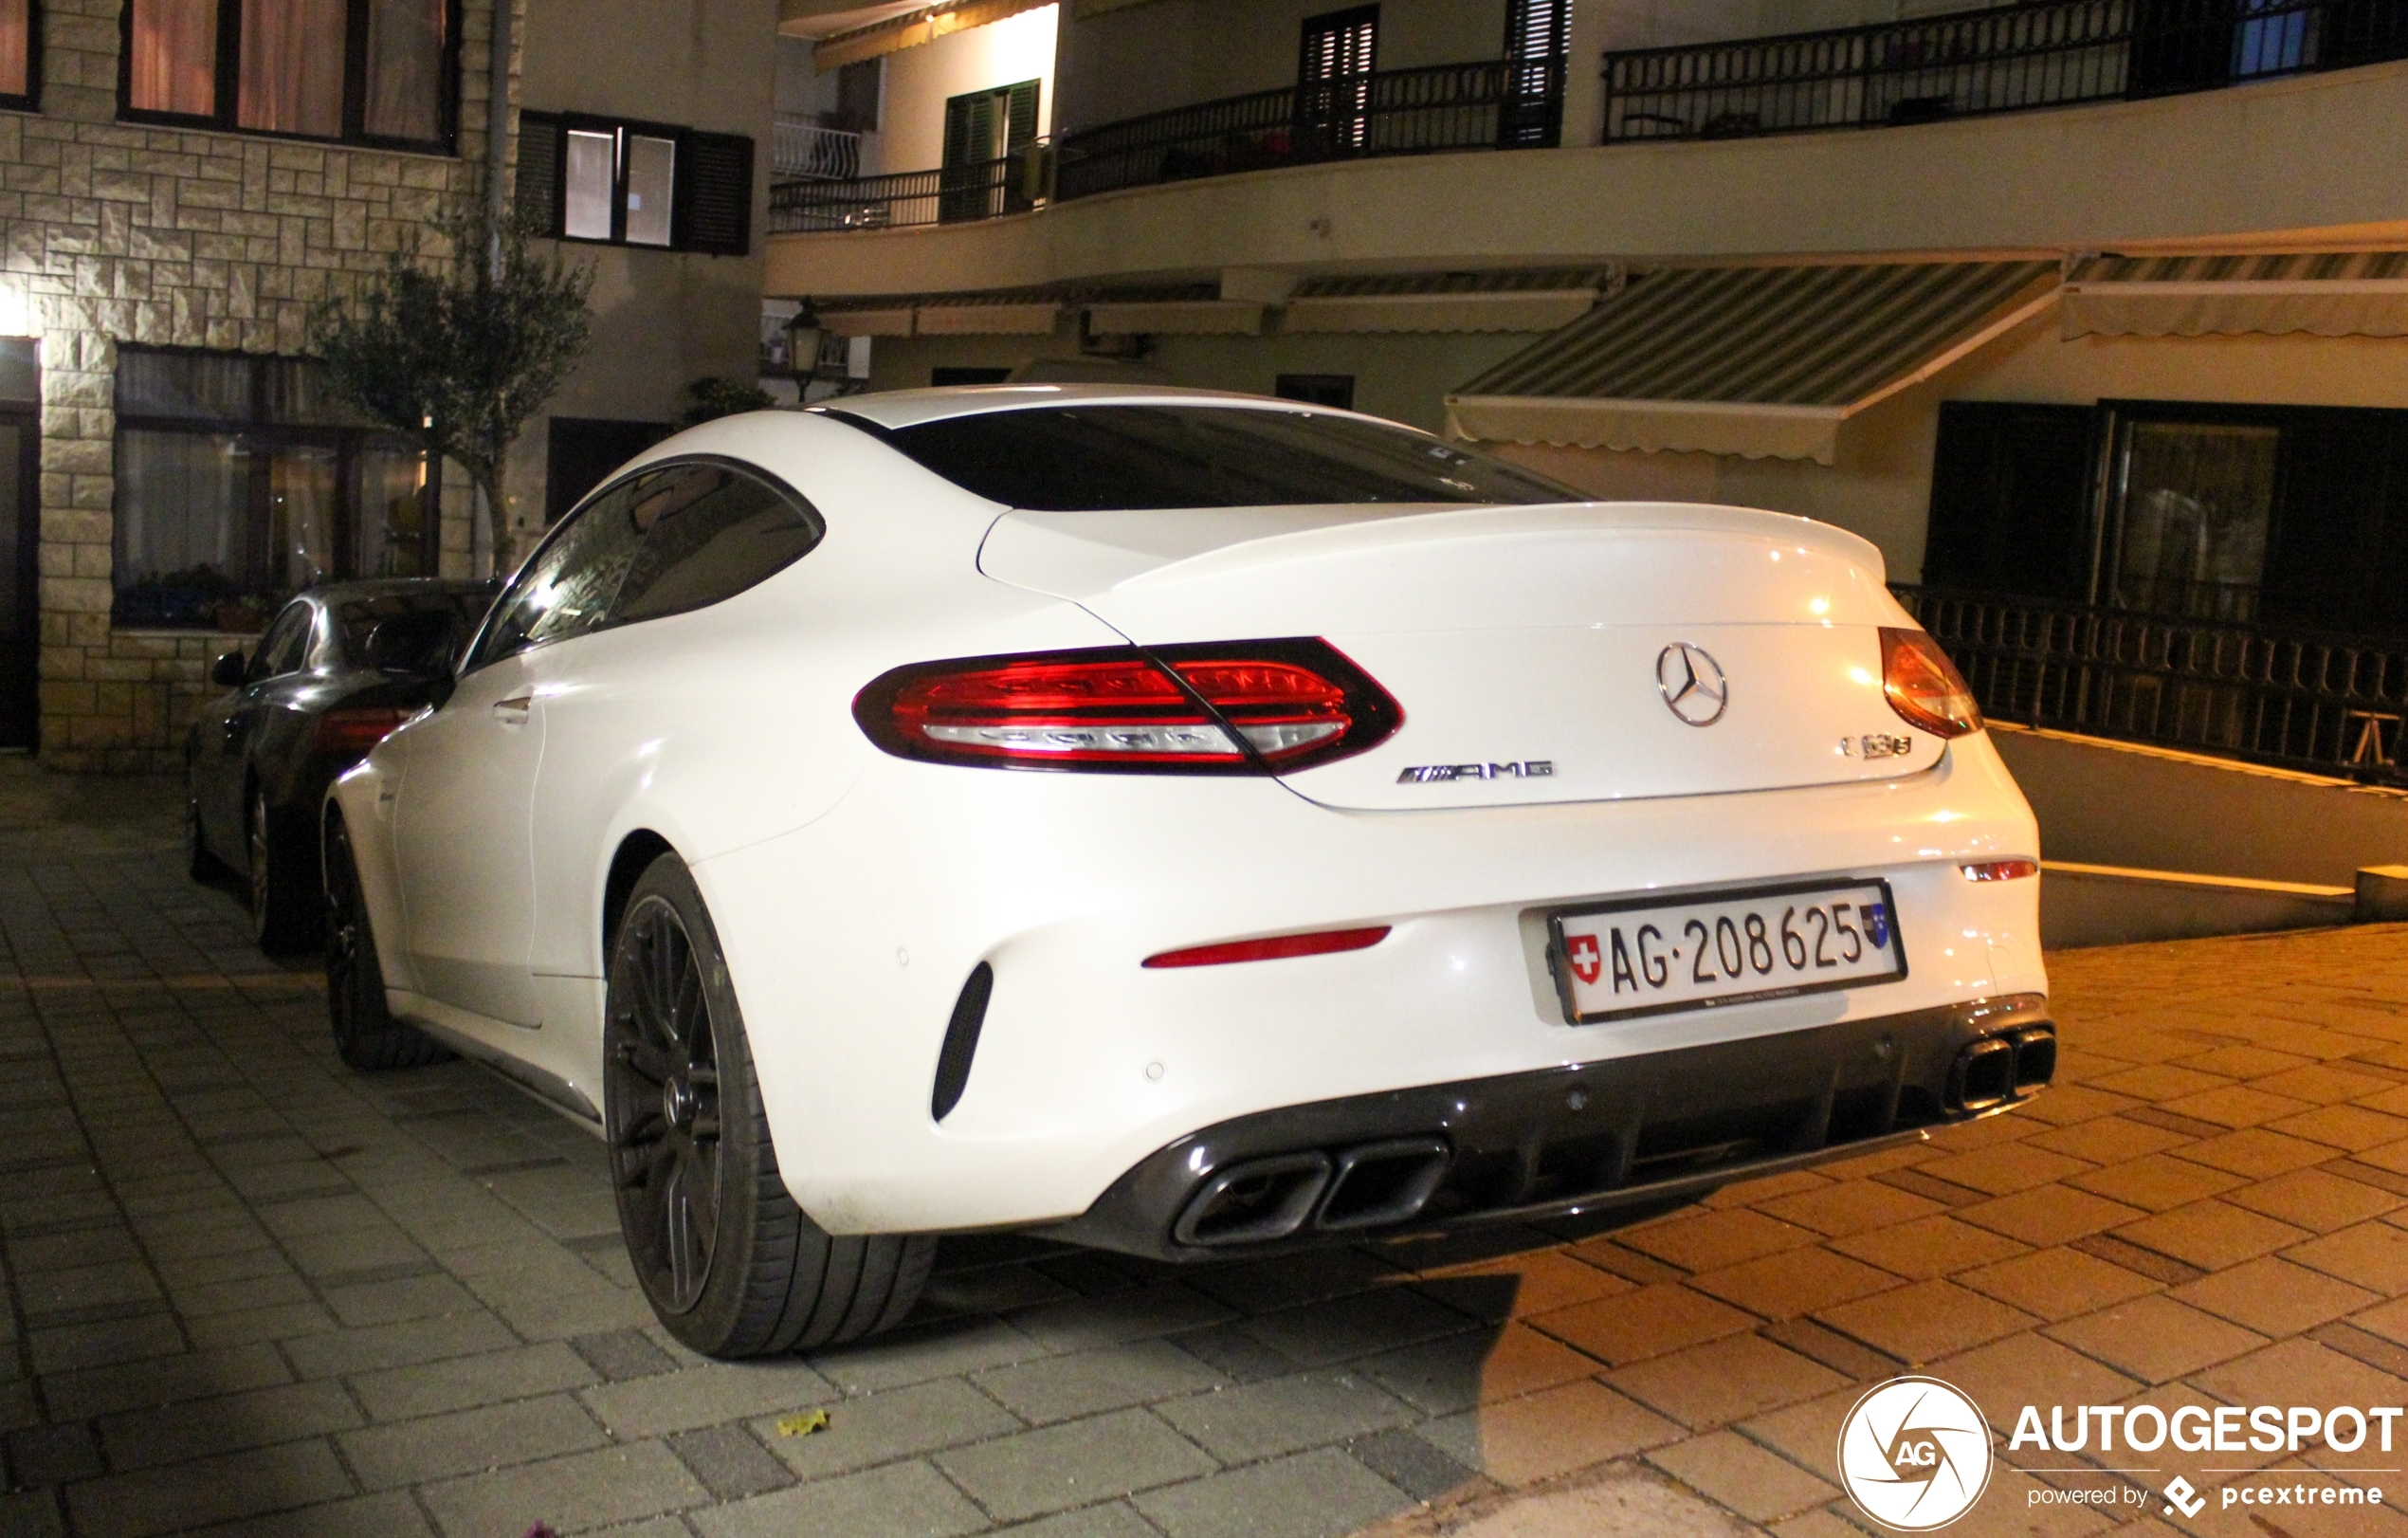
<point>366,1035</point>
<point>732,1266</point>
<point>663,1099</point>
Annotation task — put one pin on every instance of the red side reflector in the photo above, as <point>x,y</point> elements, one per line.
<point>1273,949</point>
<point>2000,869</point>
<point>353,732</point>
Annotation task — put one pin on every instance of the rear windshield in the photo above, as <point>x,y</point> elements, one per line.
<point>360,616</point>
<point>1074,459</point>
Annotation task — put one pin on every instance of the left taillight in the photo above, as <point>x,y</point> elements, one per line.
<point>352,732</point>
<point>1120,710</point>
<point>1923,686</point>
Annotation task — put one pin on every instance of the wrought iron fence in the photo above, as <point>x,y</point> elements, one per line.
<point>982,190</point>
<point>1497,104</point>
<point>2301,700</point>
<point>800,148</point>
<point>2038,53</point>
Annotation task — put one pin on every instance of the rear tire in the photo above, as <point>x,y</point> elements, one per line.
<point>366,1035</point>
<point>728,1261</point>
<point>285,902</point>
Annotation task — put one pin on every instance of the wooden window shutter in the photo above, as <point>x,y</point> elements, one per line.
<point>956,148</point>
<point>1536,28</point>
<point>715,194</point>
<point>538,190</point>
<point>1020,122</point>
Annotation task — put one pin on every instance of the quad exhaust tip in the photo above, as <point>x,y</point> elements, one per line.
<point>1363,1187</point>
<point>1996,1070</point>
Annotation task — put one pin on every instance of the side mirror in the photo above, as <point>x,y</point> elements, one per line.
<point>227,672</point>
<point>418,644</point>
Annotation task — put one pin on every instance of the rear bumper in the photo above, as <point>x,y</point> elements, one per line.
<point>1632,1133</point>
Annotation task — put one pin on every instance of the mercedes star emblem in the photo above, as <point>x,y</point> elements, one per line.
<point>1692,682</point>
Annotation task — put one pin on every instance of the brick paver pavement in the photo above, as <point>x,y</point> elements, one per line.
<point>253,1291</point>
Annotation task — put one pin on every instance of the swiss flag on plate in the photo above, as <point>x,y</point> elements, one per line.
<point>1586,963</point>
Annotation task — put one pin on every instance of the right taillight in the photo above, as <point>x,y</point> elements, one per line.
<point>349,734</point>
<point>1122,709</point>
<point>1923,686</point>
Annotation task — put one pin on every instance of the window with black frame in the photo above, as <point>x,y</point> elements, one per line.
<point>21,55</point>
<point>2234,514</point>
<point>627,183</point>
<point>363,71</point>
<point>240,481</point>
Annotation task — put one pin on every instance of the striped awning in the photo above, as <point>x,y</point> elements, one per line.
<point>1765,363</point>
<point>1534,301</point>
<point>2327,294</point>
<point>912,29</point>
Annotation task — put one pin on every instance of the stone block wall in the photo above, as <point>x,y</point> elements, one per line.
<point>117,232</point>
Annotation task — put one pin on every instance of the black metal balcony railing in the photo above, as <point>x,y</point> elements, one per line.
<point>1497,104</point>
<point>2039,53</point>
<point>983,189</point>
<point>2326,703</point>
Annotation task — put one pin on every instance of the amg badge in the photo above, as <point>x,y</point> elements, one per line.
<point>1437,773</point>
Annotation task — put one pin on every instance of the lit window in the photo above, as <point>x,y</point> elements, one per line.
<point>240,480</point>
<point>372,71</point>
<point>16,53</point>
<point>292,67</point>
<point>651,173</point>
<point>634,184</point>
<point>593,184</point>
<point>173,54</point>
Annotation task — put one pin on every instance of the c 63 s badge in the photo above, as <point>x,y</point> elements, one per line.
<point>1439,774</point>
<point>1876,745</point>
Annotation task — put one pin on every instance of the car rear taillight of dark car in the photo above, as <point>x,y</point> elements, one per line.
<point>348,734</point>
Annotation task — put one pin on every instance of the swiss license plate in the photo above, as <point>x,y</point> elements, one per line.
<point>1649,955</point>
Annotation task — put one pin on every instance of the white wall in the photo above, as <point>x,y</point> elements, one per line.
<point>660,319</point>
<point>912,108</point>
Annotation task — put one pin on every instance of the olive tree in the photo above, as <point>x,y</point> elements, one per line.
<point>457,340</point>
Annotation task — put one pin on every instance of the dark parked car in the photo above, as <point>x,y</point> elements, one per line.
<point>336,669</point>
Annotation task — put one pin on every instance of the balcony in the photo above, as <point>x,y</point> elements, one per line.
<point>2042,53</point>
<point>2222,166</point>
<point>1502,104</point>
<point>801,150</point>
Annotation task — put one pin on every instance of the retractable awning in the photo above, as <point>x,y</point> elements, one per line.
<point>2329,294</point>
<point>1765,363</point>
<point>913,29</point>
<point>1447,302</point>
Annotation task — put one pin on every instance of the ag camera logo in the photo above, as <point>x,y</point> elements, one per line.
<point>1914,1454</point>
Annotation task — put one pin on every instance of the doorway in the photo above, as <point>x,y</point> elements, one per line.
<point>2194,506</point>
<point>20,589</point>
<point>983,131</point>
<point>1338,54</point>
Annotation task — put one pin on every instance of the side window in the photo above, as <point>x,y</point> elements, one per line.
<point>566,590</point>
<point>709,533</point>
<point>286,644</point>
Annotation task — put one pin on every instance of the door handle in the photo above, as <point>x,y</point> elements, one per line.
<point>513,711</point>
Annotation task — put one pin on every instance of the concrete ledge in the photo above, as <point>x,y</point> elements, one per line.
<point>2136,806</point>
<point>2107,905</point>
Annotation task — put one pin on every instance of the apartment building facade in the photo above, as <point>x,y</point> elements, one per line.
<point>179,181</point>
<point>2094,303</point>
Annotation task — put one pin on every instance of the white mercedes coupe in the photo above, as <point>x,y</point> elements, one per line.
<point>1193,825</point>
